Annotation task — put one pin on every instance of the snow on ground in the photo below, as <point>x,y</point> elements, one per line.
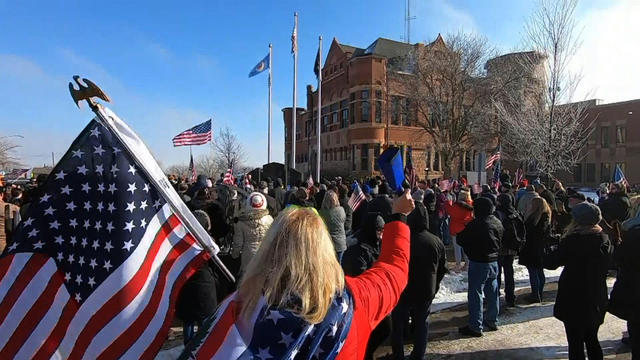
<point>453,288</point>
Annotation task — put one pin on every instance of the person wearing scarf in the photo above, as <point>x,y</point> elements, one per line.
<point>294,301</point>
<point>581,300</point>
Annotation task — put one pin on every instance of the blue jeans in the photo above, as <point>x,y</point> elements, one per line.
<point>339,256</point>
<point>483,278</point>
<point>506,262</point>
<point>537,280</point>
<point>188,330</point>
<point>420,318</point>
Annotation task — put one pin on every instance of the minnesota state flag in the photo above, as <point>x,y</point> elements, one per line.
<point>260,67</point>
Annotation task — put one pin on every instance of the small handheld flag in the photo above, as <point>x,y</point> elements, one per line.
<point>260,67</point>
<point>357,197</point>
<point>618,176</point>
<point>493,158</point>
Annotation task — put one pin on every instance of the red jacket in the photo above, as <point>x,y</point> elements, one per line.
<point>460,215</point>
<point>377,290</point>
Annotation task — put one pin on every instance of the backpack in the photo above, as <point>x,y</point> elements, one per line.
<point>514,232</point>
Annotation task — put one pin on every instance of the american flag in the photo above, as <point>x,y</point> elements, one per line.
<point>496,175</point>
<point>197,135</point>
<point>294,36</point>
<point>410,172</point>
<point>310,182</point>
<point>493,158</point>
<point>271,333</point>
<point>97,264</point>
<point>357,197</point>
<point>519,174</point>
<point>618,176</point>
<point>192,170</point>
<point>228,177</point>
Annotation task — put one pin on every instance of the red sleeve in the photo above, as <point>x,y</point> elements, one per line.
<point>377,290</point>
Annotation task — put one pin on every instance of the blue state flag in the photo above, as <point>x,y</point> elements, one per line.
<point>260,67</point>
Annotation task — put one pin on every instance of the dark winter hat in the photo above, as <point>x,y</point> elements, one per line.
<point>482,207</point>
<point>278,182</point>
<point>586,214</point>
<point>486,188</point>
<point>505,201</point>
<point>366,189</point>
<point>263,185</point>
<point>203,219</point>
<point>383,188</point>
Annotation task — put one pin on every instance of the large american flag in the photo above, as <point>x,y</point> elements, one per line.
<point>493,158</point>
<point>197,135</point>
<point>357,197</point>
<point>95,267</point>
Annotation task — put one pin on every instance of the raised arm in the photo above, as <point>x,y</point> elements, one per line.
<point>378,289</point>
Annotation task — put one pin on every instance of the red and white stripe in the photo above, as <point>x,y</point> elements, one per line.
<point>127,316</point>
<point>356,198</point>
<point>492,159</point>
<point>190,138</point>
<point>228,177</point>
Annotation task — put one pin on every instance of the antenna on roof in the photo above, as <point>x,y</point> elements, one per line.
<point>407,22</point>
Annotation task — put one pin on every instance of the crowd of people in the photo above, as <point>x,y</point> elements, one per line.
<point>302,248</point>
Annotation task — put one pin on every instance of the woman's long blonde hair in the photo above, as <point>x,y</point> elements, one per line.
<point>330,200</point>
<point>538,207</point>
<point>295,260</point>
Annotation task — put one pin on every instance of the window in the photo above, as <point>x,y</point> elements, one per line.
<point>345,114</point>
<point>334,118</point>
<point>577,173</point>
<point>364,156</point>
<point>467,161</point>
<point>353,157</point>
<point>378,106</point>
<point>341,66</point>
<point>405,111</point>
<point>376,155</point>
<point>621,134</point>
<point>604,136</point>
<point>352,98</point>
<point>436,161</point>
<point>427,157</point>
<point>341,154</point>
<point>366,107</point>
<point>395,110</point>
<point>591,173</point>
<point>325,122</point>
<point>286,133</point>
<point>605,172</point>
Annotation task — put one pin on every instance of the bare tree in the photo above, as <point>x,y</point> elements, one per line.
<point>545,129</point>
<point>447,86</point>
<point>178,169</point>
<point>8,159</point>
<point>209,165</point>
<point>228,150</point>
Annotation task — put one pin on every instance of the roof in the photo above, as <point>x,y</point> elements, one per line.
<point>386,48</point>
<point>347,48</point>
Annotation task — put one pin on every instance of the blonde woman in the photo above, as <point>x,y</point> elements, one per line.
<point>294,301</point>
<point>537,221</point>
<point>335,217</point>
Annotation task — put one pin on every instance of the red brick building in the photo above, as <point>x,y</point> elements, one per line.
<point>615,141</point>
<point>361,115</point>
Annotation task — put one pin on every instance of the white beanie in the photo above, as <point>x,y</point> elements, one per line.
<point>256,201</point>
<point>209,183</point>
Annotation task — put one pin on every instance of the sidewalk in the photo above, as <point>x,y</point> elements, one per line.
<point>526,332</point>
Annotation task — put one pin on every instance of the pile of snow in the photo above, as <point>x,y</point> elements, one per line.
<point>453,288</point>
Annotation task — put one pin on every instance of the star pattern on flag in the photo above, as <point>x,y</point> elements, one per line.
<point>88,231</point>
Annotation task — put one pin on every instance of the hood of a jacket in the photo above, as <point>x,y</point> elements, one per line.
<point>505,203</point>
<point>418,219</point>
<point>367,234</point>
<point>253,215</point>
<point>482,207</point>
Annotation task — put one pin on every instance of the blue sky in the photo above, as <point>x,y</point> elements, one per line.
<point>170,65</point>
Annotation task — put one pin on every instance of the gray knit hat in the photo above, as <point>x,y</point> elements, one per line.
<point>586,213</point>
<point>418,195</point>
<point>203,219</point>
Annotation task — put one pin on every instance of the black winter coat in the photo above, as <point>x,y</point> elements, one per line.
<point>197,299</point>
<point>532,253</point>
<point>582,288</point>
<point>272,206</point>
<point>427,262</point>
<point>280,195</point>
<point>616,207</point>
<point>357,217</point>
<point>361,256</point>
<point>481,239</point>
<point>625,296</point>
<point>381,204</point>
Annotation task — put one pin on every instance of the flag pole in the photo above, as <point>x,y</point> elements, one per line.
<point>143,158</point>
<point>318,157</point>
<point>269,131</point>
<point>295,89</point>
